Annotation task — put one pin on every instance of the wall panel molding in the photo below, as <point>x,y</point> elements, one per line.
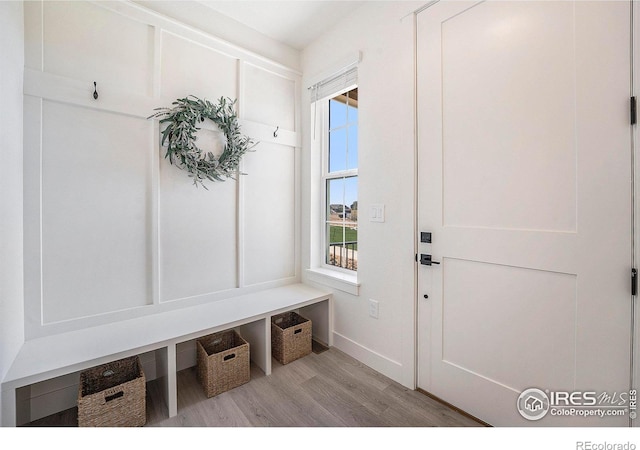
<point>164,287</point>
<point>80,93</point>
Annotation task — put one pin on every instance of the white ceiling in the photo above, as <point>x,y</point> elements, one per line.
<point>295,23</point>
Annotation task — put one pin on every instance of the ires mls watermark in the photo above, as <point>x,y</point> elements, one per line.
<point>534,404</point>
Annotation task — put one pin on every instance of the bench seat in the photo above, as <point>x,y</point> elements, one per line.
<point>60,354</point>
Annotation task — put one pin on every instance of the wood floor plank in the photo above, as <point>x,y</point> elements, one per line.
<point>218,411</point>
<point>307,411</point>
<point>353,366</point>
<point>339,401</point>
<point>256,401</point>
<point>417,404</point>
<point>363,388</point>
<point>155,403</point>
<point>295,372</point>
<point>66,418</point>
<point>287,404</point>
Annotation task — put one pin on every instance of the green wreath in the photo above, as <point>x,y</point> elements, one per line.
<point>180,137</point>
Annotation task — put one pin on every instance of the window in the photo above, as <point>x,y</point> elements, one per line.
<point>334,187</point>
<point>340,180</point>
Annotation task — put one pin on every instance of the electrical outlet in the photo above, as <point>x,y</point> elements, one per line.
<point>373,308</point>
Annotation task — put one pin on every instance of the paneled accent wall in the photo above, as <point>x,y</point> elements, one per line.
<point>112,230</point>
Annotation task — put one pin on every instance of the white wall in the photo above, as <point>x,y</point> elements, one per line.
<point>383,32</point>
<point>11,290</point>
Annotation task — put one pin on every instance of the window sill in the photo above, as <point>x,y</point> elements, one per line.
<point>345,282</point>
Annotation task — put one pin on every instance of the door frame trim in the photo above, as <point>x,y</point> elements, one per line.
<point>635,338</point>
<point>415,189</point>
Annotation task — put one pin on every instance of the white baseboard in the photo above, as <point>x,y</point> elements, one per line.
<point>378,362</point>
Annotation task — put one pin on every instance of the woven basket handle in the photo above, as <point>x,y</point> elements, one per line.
<point>111,397</point>
<point>113,394</point>
<point>229,357</point>
<point>299,330</point>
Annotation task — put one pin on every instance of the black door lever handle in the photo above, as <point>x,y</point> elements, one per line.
<point>426,260</point>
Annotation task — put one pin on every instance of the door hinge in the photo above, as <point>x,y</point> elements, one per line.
<point>634,116</point>
<point>634,281</point>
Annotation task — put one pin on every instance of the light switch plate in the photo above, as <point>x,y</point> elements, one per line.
<point>376,213</point>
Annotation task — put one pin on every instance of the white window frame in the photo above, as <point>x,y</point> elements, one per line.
<point>326,175</point>
<point>319,271</point>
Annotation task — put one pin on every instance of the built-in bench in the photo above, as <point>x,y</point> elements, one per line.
<point>61,354</point>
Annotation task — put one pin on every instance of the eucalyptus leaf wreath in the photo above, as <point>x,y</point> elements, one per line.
<point>180,138</point>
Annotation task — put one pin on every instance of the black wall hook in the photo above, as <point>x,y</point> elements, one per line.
<point>95,90</point>
<point>275,133</point>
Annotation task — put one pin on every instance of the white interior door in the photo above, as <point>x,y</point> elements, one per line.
<point>525,184</point>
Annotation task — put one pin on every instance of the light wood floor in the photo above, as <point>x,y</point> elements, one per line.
<point>329,389</point>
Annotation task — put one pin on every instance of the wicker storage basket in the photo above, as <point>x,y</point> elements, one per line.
<point>290,337</point>
<point>223,362</point>
<point>113,395</point>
